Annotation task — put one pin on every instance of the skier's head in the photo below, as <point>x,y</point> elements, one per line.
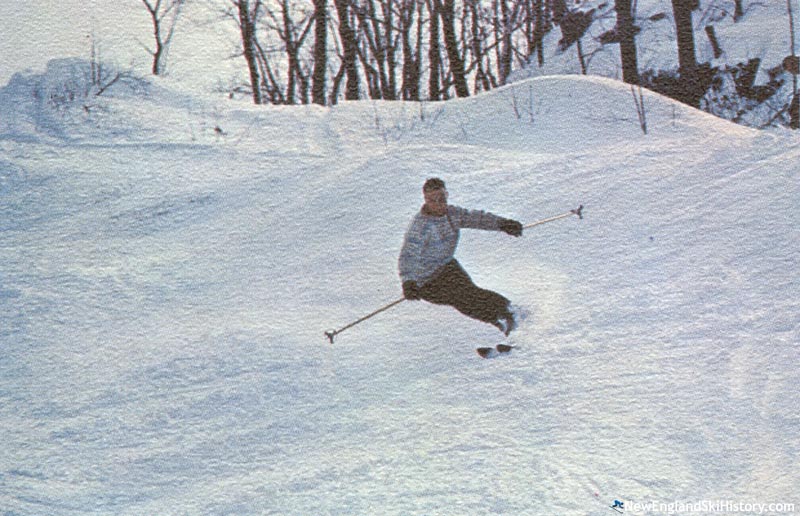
<point>433,183</point>
<point>435,197</point>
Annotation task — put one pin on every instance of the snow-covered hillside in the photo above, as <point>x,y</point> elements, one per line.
<point>170,263</point>
<point>761,33</point>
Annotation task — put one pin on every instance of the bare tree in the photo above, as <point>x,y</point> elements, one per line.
<point>292,34</point>
<point>379,47</point>
<point>536,22</point>
<point>687,60</point>
<point>794,105</point>
<point>350,49</point>
<point>434,53</point>
<point>627,41</point>
<point>248,18</point>
<point>447,11</point>
<point>479,50</point>
<point>412,49</point>
<point>164,14</point>
<point>397,43</point>
<point>505,24</point>
<point>320,51</point>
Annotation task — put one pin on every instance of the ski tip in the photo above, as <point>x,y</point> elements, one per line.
<point>488,352</point>
<point>484,352</point>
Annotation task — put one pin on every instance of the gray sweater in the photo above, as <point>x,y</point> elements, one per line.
<point>430,242</point>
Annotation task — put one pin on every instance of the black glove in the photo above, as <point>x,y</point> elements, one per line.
<point>410,290</point>
<point>512,227</point>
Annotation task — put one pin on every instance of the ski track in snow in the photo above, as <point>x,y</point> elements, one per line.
<point>164,303</point>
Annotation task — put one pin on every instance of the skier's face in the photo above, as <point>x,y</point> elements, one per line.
<point>436,202</point>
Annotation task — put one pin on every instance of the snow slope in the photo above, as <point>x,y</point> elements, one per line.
<point>170,263</point>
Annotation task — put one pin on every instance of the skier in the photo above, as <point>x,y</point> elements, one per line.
<point>428,269</point>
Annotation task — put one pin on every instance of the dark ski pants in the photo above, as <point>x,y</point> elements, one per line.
<point>453,286</point>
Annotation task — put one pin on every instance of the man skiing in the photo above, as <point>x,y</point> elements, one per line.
<point>428,269</point>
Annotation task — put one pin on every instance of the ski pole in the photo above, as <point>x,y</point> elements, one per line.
<point>577,211</point>
<point>332,333</point>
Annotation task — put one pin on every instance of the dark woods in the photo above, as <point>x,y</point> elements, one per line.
<point>301,51</point>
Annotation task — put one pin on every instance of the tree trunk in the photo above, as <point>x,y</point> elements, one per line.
<point>159,12</point>
<point>581,58</point>
<point>538,31</point>
<point>270,87</point>
<point>320,51</point>
<point>410,86</point>
<point>248,30</point>
<point>349,43</point>
<point>391,50</point>
<point>627,42</point>
<point>481,77</point>
<point>712,38</point>
<point>157,57</point>
<point>434,53</point>
<point>504,61</point>
<point>337,83</point>
<point>378,35</point>
<point>156,19</point>
<point>447,12</point>
<point>794,107</point>
<point>738,10</point>
<point>291,53</point>
<point>687,61</point>
<point>417,71</point>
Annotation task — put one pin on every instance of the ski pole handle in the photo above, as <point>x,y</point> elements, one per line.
<point>332,333</point>
<point>577,211</point>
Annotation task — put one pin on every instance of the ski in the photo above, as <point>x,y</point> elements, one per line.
<point>488,352</point>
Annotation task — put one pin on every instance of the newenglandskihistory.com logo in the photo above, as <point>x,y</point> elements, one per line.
<point>702,507</point>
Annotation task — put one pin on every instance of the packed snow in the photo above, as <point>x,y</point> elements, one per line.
<point>170,263</point>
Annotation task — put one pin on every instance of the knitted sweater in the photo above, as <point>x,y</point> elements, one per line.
<point>430,242</point>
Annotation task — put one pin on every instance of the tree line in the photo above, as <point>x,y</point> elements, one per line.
<point>301,51</point>
<point>320,51</point>
<point>304,51</point>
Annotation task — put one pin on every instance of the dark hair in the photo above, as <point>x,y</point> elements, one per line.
<point>433,183</point>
